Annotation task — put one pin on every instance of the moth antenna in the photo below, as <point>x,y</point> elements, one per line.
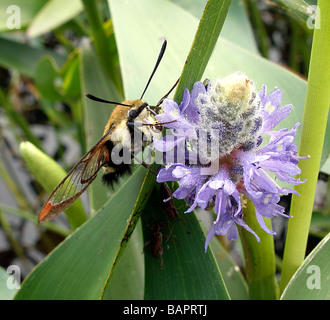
<point>90,96</point>
<point>167,94</point>
<point>160,56</point>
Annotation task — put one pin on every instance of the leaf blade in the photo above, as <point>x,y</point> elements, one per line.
<point>205,39</point>
<point>79,267</point>
<point>314,270</point>
<point>187,272</point>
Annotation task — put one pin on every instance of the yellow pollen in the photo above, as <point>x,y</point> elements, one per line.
<point>279,147</point>
<point>175,113</point>
<point>269,107</point>
<point>266,200</point>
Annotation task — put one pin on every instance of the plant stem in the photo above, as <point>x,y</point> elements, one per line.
<point>13,187</point>
<point>5,225</point>
<point>259,27</point>
<point>312,139</point>
<point>259,258</point>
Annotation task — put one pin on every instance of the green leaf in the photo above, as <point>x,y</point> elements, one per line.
<point>155,20</point>
<point>52,15</point>
<point>127,282</point>
<point>80,267</point>
<point>22,57</point>
<point>231,273</point>
<point>237,27</point>
<point>311,280</point>
<point>205,39</point>
<point>183,270</point>
<point>142,198</point>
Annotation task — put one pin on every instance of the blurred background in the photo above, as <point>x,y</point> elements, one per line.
<point>40,101</point>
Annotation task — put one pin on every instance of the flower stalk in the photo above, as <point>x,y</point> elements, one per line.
<point>259,258</point>
<point>312,138</point>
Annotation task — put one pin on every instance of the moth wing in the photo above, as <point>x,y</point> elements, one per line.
<point>76,181</point>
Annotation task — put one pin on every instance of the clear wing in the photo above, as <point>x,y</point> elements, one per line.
<point>76,181</point>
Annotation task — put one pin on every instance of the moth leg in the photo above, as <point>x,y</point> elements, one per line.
<point>144,164</point>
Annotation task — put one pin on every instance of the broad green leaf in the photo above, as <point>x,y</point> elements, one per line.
<point>142,198</point>
<point>80,267</point>
<point>311,280</point>
<point>128,279</point>
<point>182,270</point>
<point>22,57</point>
<point>202,47</point>
<point>237,27</point>
<point>7,292</point>
<point>231,273</point>
<point>139,41</point>
<point>27,11</point>
<point>53,14</point>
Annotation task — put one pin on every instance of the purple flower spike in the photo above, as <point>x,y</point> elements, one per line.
<point>218,130</point>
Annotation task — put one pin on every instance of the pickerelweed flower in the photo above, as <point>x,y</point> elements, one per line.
<point>215,151</point>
